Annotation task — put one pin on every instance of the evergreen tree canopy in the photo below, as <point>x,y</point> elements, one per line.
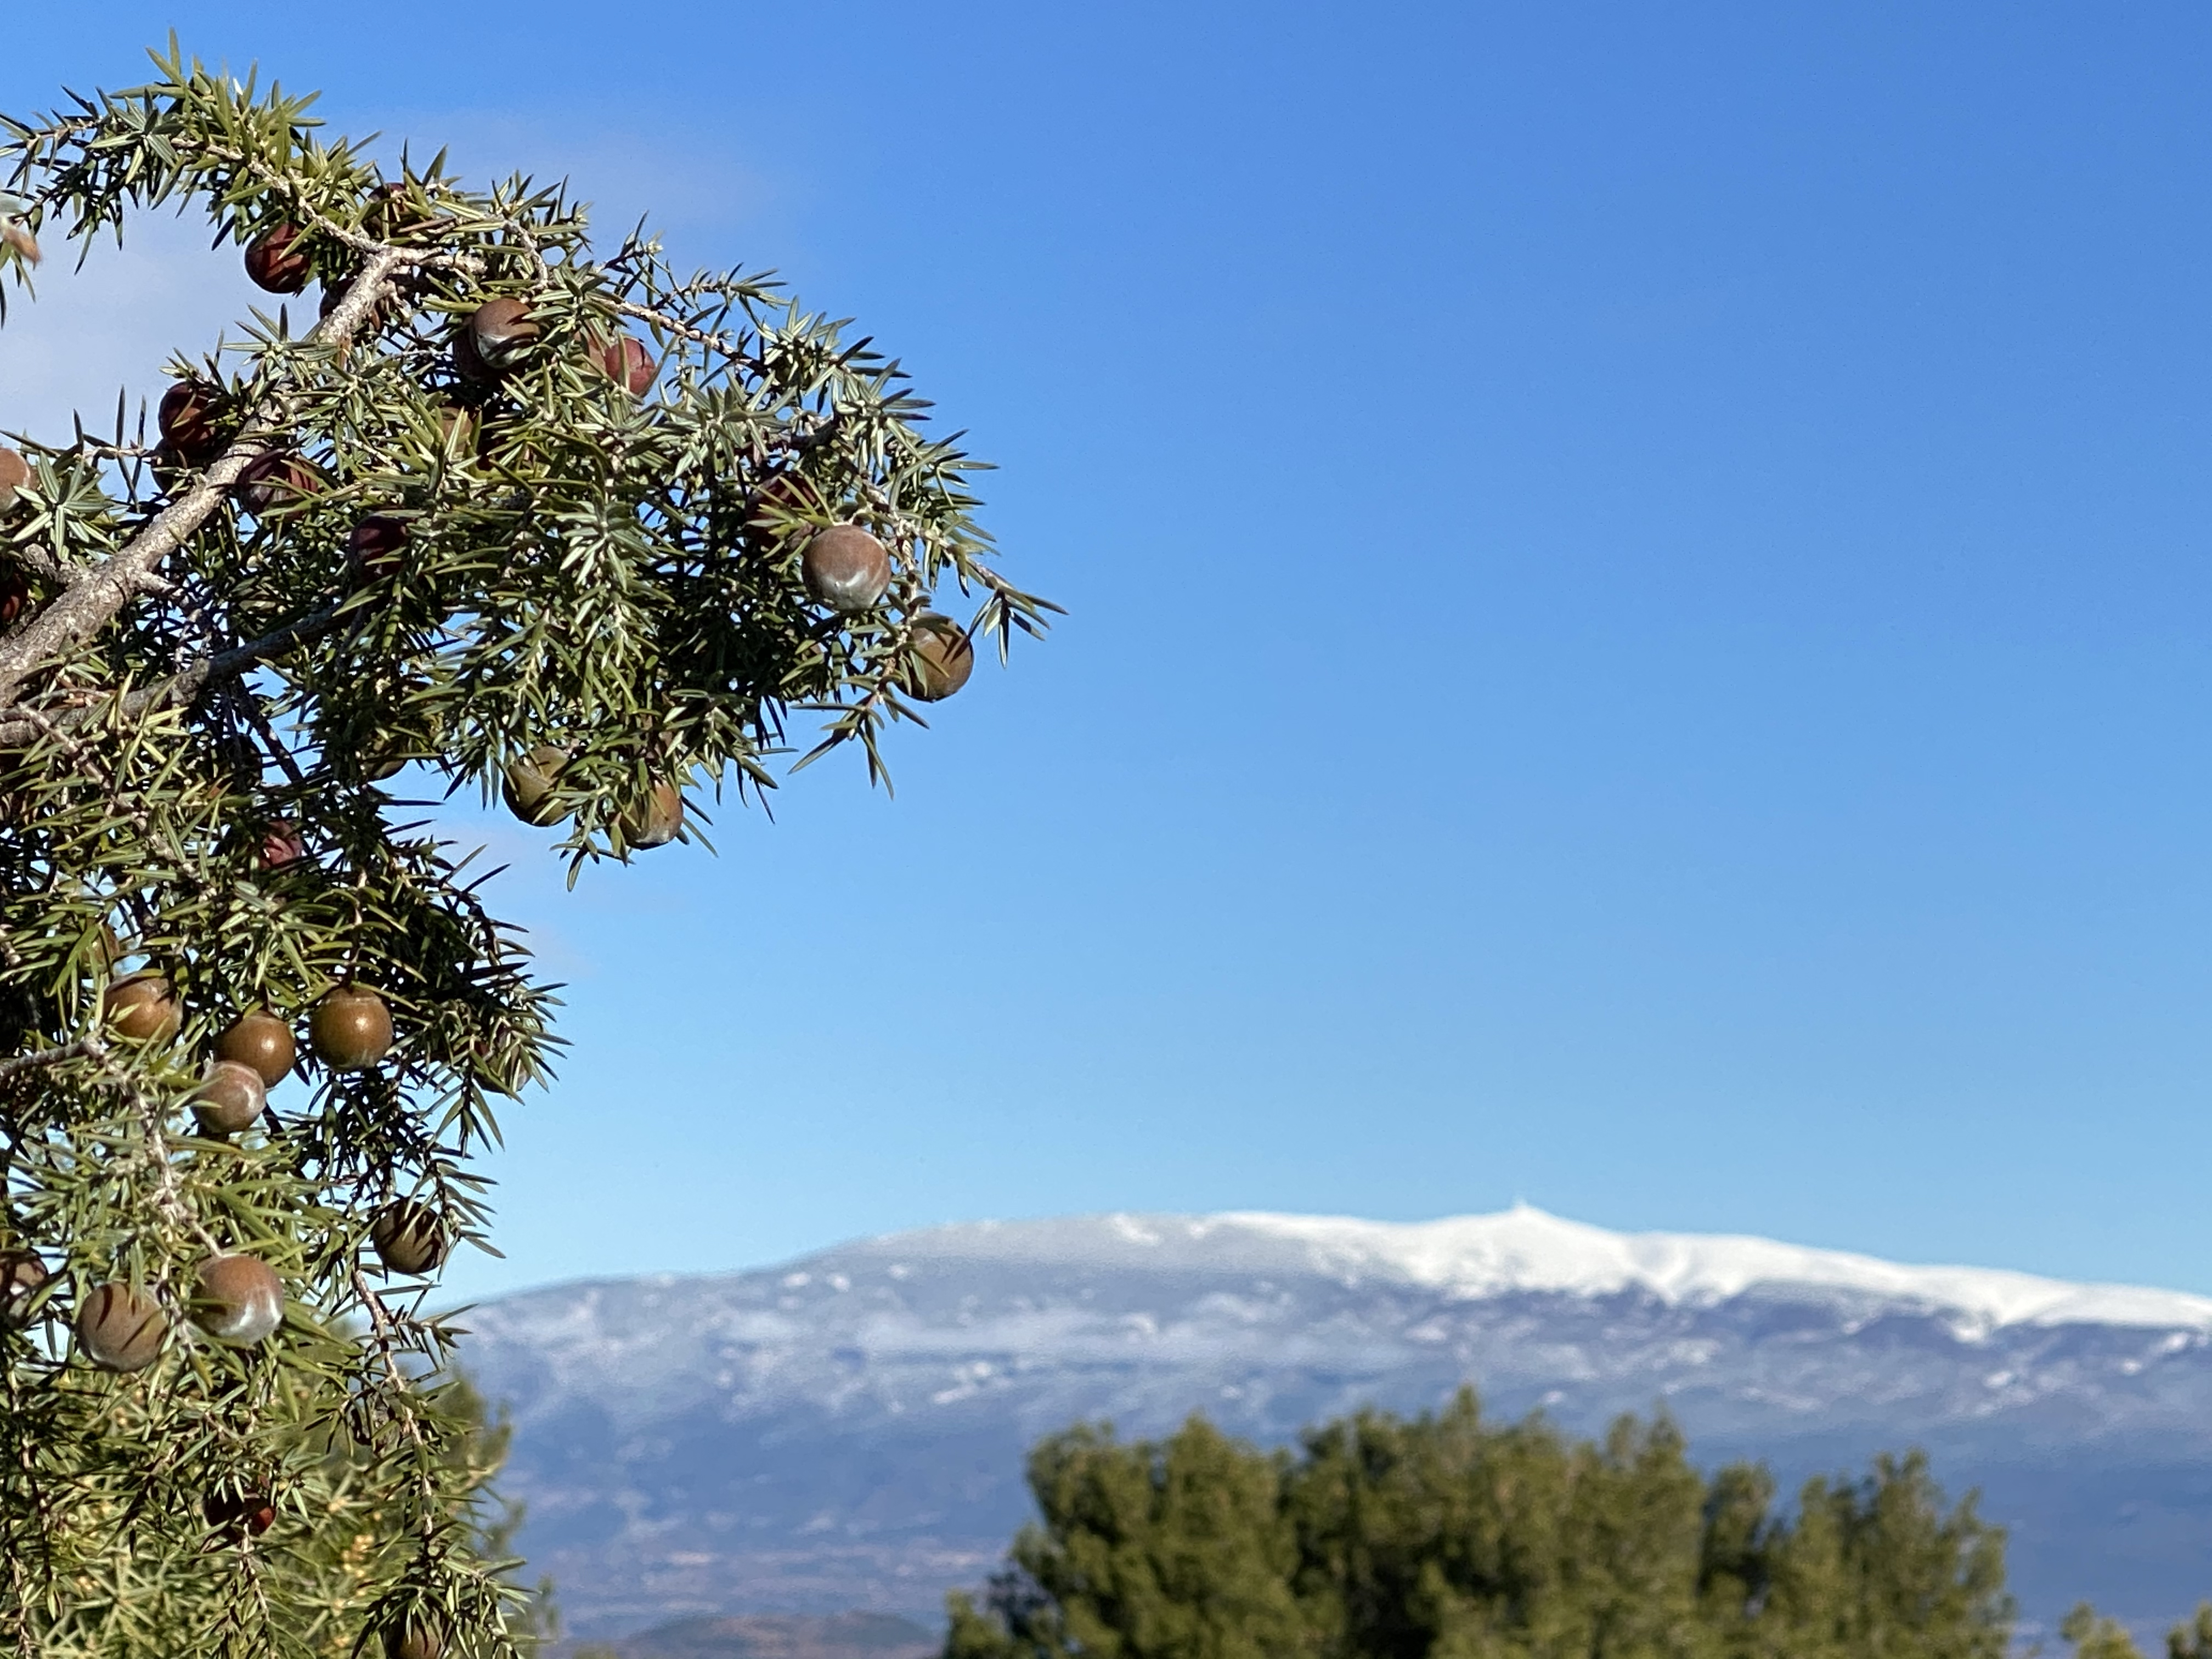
<point>2093,1638</point>
<point>498,511</point>
<point>1449,1537</point>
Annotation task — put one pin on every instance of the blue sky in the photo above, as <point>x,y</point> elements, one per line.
<point>1638,626</point>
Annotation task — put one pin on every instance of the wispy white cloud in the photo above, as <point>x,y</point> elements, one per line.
<point>114,323</point>
<point>695,185</point>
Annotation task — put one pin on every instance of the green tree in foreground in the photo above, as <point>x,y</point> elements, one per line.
<point>491,509</point>
<point>2093,1638</point>
<point>1448,1537</point>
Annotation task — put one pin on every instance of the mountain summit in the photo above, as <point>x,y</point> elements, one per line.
<point>846,1430</point>
<point>1525,1249</point>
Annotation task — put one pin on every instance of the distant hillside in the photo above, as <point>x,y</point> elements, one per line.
<point>848,1430</point>
<point>840,1635</point>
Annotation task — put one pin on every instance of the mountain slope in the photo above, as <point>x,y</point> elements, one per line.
<point>848,1430</point>
<point>838,1636</point>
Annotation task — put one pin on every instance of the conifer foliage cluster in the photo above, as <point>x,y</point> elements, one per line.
<point>471,505</point>
<point>1450,1537</point>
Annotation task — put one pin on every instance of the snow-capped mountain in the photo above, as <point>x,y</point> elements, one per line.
<point>848,1430</point>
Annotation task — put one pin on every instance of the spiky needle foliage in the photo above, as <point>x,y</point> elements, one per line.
<point>583,549</point>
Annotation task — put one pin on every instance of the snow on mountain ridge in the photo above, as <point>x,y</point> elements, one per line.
<point>1524,1248</point>
<point>849,1428</point>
